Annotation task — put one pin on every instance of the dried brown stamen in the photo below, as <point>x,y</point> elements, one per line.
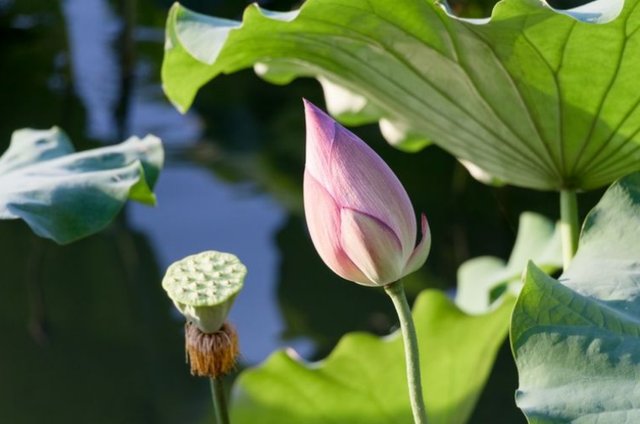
<point>214,354</point>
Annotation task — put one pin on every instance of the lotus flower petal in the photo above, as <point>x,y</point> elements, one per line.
<point>421,252</point>
<point>372,245</point>
<point>323,216</point>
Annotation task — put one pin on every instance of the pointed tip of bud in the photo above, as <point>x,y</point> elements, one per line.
<point>321,132</point>
<point>308,106</point>
<point>314,114</point>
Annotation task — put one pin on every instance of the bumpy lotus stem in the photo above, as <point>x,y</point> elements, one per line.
<point>211,355</point>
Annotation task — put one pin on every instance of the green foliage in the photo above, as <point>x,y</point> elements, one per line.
<point>484,279</point>
<point>527,108</point>
<point>64,195</point>
<point>363,380</point>
<point>576,339</point>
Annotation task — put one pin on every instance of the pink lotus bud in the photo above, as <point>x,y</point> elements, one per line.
<point>359,216</point>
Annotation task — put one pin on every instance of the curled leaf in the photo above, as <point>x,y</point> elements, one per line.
<point>64,195</point>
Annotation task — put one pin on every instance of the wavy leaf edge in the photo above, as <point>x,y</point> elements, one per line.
<point>594,12</point>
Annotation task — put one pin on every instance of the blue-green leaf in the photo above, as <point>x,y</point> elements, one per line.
<point>64,195</point>
<point>577,339</point>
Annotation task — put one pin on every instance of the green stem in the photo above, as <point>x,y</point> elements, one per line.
<point>412,356</point>
<point>219,402</point>
<point>568,225</point>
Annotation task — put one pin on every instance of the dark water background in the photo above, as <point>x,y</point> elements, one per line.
<point>87,334</point>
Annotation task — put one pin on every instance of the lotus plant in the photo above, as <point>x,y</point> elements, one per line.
<point>203,288</point>
<point>362,223</point>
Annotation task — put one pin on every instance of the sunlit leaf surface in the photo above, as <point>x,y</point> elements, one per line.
<point>534,97</point>
<point>363,380</point>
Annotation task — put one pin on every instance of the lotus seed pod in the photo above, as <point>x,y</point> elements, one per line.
<point>204,286</point>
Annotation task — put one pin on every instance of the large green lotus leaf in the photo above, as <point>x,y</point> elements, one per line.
<point>577,339</point>
<point>482,280</point>
<point>534,96</point>
<point>363,380</point>
<point>64,195</point>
